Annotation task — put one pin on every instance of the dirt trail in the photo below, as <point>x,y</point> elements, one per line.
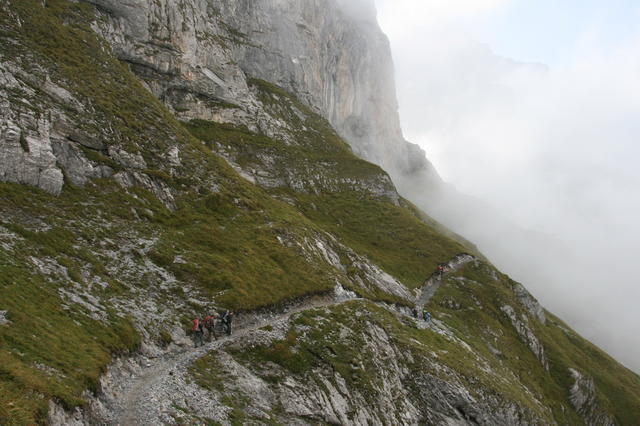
<point>434,282</point>
<point>135,406</point>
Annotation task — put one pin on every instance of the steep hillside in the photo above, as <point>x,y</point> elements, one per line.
<point>137,195</point>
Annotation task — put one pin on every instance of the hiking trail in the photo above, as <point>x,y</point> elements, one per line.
<point>433,283</point>
<point>135,406</point>
<point>139,400</point>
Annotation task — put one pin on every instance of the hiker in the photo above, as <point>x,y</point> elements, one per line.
<point>441,270</point>
<point>198,332</point>
<point>210,325</point>
<point>414,311</point>
<point>426,315</point>
<point>227,317</point>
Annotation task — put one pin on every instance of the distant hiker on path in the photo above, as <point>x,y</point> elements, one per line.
<point>198,332</point>
<point>441,270</point>
<point>227,317</point>
<point>414,311</point>
<point>426,315</point>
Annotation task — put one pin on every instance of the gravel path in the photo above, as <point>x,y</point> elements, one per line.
<point>434,282</point>
<point>141,399</point>
<point>138,403</point>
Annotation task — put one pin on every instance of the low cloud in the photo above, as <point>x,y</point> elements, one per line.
<point>553,149</point>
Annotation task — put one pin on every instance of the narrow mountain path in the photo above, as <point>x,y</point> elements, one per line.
<point>138,408</point>
<point>433,283</point>
<point>136,405</point>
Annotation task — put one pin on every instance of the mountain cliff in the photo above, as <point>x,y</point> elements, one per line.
<point>331,55</point>
<point>162,160</point>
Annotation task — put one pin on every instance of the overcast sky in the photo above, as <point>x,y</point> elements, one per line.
<point>534,107</point>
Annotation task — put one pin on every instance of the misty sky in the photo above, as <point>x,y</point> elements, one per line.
<point>534,107</point>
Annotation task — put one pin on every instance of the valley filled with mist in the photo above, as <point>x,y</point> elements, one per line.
<point>543,134</point>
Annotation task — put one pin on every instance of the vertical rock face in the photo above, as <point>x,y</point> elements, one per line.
<point>26,154</point>
<point>177,47</point>
<point>333,55</point>
<point>196,55</point>
<point>328,55</point>
<point>28,159</point>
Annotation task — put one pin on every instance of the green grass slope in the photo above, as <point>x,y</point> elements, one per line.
<point>477,316</point>
<point>344,195</point>
<point>480,350</point>
<point>220,242</point>
<point>70,266</point>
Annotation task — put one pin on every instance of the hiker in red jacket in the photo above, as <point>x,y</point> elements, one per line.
<point>198,332</point>
<point>441,270</point>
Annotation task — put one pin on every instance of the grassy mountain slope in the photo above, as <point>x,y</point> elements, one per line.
<point>125,260</point>
<point>71,265</point>
<point>346,196</point>
<point>471,343</point>
<point>481,293</point>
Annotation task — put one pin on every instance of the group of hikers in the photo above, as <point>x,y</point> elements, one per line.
<point>426,316</point>
<point>209,323</point>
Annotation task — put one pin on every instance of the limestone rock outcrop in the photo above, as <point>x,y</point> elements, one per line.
<point>196,56</point>
<point>584,400</point>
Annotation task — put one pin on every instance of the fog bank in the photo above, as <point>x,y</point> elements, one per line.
<point>550,148</point>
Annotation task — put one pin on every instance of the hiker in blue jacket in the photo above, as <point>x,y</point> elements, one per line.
<point>426,315</point>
